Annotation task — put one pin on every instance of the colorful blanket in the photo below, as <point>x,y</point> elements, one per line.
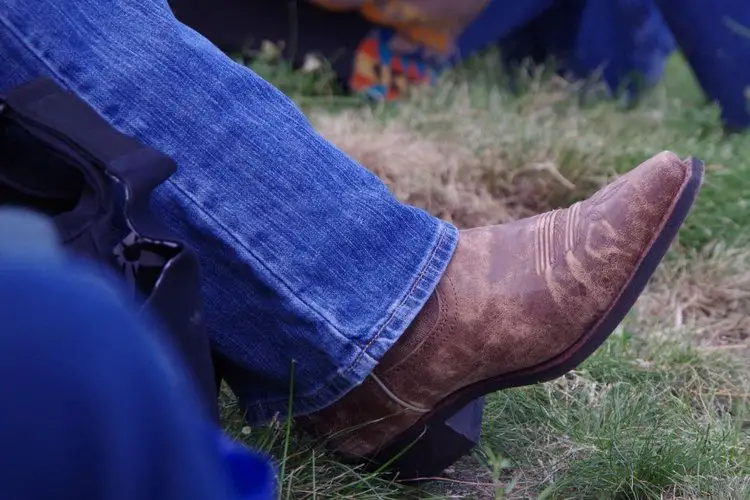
<point>412,41</point>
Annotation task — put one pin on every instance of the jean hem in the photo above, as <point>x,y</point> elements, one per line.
<point>402,312</point>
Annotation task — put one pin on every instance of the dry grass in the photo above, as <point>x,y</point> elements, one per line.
<point>443,178</point>
<point>465,165</point>
<point>704,292</point>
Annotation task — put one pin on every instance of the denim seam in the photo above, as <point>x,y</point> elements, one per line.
<point>23,41</point>
<point>444,229</point>
<point>409,294</point>
<point>393,314</point>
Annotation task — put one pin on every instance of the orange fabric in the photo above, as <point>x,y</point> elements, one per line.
<point>369,47</point>
<point>435,24</point>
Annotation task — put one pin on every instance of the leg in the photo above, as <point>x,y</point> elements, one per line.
<point>92,406</point>
<point>306,256</point>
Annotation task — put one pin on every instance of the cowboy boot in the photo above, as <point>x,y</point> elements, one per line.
<point>519,303</point>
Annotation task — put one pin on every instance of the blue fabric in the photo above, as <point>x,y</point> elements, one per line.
<point>94,406</point>
<point>627,40</point>
<point>497,22</point>
<point>306,256</point>
<point>40,117</point>
<point>715,37</point>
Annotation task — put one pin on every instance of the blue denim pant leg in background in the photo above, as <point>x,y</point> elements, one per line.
<point>92,406</point>
<point>305,255</point>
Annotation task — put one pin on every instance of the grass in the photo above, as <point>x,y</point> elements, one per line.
<point>660,411</point>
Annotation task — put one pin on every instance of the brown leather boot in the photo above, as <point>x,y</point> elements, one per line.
<point>520,303</point>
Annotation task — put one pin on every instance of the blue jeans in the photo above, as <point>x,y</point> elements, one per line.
<point>307,258</point>
<point>94,407</point>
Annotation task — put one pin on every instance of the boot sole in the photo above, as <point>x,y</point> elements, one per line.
<point>408,458</point>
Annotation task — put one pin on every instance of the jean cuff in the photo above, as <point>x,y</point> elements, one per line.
<point>384,335</point>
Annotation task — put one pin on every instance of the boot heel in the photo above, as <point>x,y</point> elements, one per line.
<point>431,448</point>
